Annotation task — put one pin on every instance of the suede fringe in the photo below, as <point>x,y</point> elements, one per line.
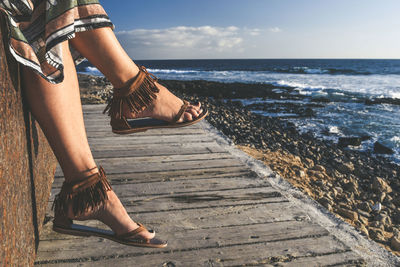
<point>85,194</point>
<point>137,95</point>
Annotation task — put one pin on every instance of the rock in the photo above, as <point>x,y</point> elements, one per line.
<point>377,224</point>
<point>382,197</point>
<point>363,213</point>
<point>383,219</point>
<point>352,186</point>
<point>365,206</point>
<point>319,168</point>
<point>379,185</point>
<point>364,230</point>
<point>349,214</point>
<point>381,149</point>
<point>363,219</point>
<point>396,216</point>
<point>377,207</point>
<point>376,234</point>
<point>309,162</point>
<point>349,141</point>
<point>339,190</point>
<point>345,167</point>
<point>326,202</point>
<point>395,243</point>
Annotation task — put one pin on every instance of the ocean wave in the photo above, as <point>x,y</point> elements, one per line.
<point>89,70</point>
<point>331,71</point>
<point>384,86</point>
<point>172,71</point>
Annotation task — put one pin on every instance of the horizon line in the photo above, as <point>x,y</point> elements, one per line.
<point>299,58</point>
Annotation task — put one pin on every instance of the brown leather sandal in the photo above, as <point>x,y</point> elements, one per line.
<point>91,193</point>
<point>138,94</point>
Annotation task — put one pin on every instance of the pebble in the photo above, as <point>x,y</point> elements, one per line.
<point>346,213</point>
<point>395,243</point>
<point>365,206</point>
<point>377,207</point>
<point>379,185</point>
<point>376,234</point>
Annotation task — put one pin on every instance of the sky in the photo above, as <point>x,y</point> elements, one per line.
<point>220,29</point>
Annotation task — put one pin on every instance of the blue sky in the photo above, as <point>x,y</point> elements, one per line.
<point>177,29</point>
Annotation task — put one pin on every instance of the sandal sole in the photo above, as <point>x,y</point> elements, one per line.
<point>176,125</point>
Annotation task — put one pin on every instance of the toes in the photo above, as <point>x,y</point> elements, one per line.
<point>194,112</point>
<point>197,107</point>
<point>187,116</point>
<point>151,234</point>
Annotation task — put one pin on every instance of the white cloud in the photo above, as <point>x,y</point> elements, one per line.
<point>275,29</point>
<point>186,42</point>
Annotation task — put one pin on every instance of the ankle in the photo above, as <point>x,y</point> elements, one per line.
<point>80,173</point>
<point>119,80</point>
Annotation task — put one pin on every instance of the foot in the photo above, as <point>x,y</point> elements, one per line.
<point>165,107</point>
<point>114,215</point>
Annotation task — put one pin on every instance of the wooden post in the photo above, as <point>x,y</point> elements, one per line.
<point>27,167</point>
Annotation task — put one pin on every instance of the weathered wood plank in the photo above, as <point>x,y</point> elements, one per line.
<point>106,132</point>
<point>175,175</point>
<point>214,254</point>
<point>209,217</point>
<point>155,150</point>
<point>142,140</point>
<point>120,165</point>
<point>172,148</point>
<point>197,200</point>
<point>183,186</point>
<point>191,239</point>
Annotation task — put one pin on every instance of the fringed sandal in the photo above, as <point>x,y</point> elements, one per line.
<point>90,194</point>
<point>138,94</point>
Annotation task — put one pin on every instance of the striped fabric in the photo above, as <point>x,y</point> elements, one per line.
<point>37,27</point>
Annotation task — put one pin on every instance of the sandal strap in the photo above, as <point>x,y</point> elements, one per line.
<point>134,233</point>
<point>137,94</point>
<point>76,186</point>
<point>181,111</point>
<point>84,194</point>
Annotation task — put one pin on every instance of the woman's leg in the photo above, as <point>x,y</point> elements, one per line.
<point>58,110</point>
<point>103,50</point>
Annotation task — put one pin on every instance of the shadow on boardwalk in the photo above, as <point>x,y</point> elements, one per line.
<point>210,205</point>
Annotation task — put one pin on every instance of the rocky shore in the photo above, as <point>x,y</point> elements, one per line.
<point>360,187</point>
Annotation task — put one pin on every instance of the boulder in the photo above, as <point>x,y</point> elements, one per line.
<point>381,149</point>
<point>349,141</point>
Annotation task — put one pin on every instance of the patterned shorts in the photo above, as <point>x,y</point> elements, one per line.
<point>36,29</point>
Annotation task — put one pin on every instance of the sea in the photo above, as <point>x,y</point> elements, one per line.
<point>347,83</point>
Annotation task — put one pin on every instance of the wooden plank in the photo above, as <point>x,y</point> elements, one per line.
<point>184,186</point>
<point>189,240</point>
<point>209,217</point>
<point>141,140</point>
<point>155,151</point>
<point>175,175</point>
<point>120,165</point>
<point>105,132</point>
<point>197,200</point>
<point>328,259</point>
<point>212,255</point>
<point>171,148</point>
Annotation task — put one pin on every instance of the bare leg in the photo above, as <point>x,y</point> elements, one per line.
<point>103,50</point>
<point>58,110</point>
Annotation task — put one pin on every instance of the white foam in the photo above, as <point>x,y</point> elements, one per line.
<point>172,71</point>
<point>395,139</point>
<point>334,130</point>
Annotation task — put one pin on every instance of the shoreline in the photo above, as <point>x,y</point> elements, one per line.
<point>357,186</point>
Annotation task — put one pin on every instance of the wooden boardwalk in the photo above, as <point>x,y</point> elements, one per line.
<point>209,205</point>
